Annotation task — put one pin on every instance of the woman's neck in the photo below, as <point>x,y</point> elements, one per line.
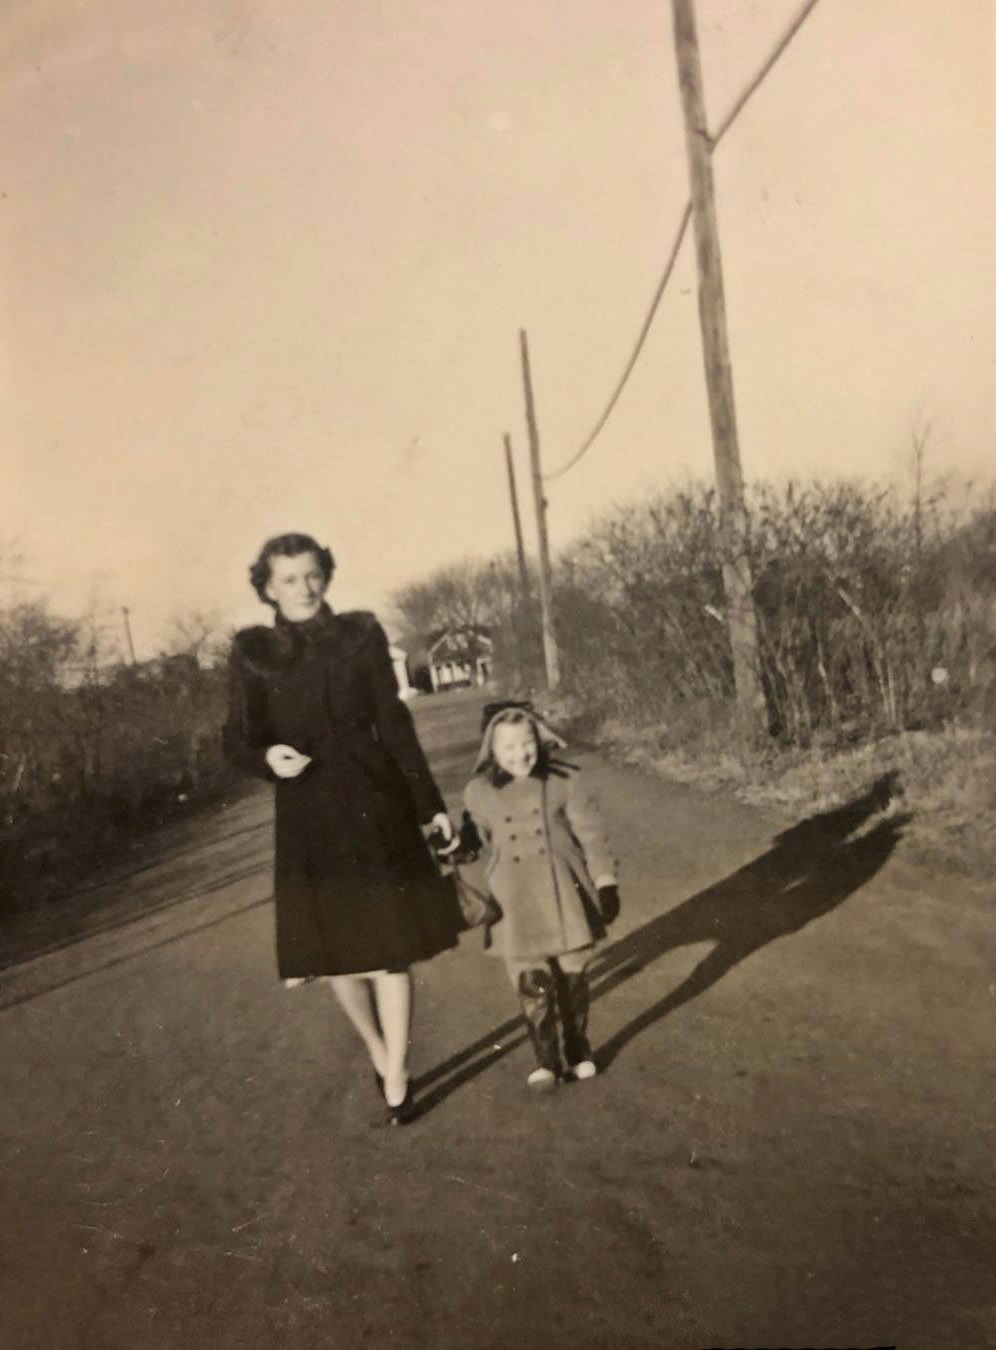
<point>318,622</point>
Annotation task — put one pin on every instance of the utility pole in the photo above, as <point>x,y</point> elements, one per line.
<point>550,656</point>
<point>127,627</point>
<point>741,617</point>
<point>517,618</point>
<point>519,546</point>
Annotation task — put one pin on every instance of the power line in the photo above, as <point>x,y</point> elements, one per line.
<point>765,69</point>
<point>634,357</point>
<point>727,122</point>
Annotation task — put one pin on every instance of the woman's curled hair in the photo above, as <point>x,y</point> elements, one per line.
<point>287,546</point>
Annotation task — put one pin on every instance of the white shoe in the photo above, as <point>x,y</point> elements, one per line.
<point>586,1069</point>
<point>541,1080</point>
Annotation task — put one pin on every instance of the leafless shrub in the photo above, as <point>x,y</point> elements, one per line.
<point>91,747</point>
<point>874,615</point>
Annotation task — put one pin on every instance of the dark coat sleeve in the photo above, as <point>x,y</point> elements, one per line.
<point>396,729</point>
<point>240,736</point>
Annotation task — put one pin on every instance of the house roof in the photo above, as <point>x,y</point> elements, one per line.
<point>455,644</point>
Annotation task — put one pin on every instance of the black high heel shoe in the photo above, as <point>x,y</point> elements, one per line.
<point>405,1111</point>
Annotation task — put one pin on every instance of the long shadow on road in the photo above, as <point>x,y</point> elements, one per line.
<point>809,870</point>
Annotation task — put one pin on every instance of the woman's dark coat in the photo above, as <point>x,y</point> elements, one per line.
<point>356,888</point>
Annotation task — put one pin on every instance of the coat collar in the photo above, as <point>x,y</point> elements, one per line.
<point>308,630</point>
<point>267,650</point>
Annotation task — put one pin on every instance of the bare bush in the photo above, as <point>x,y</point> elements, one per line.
<point>90,747</point>
<point>874,615</point>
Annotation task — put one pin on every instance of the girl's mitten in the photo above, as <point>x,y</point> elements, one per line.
<point>608,903</point>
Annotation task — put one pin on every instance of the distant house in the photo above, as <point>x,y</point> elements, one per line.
<point>460,658</point>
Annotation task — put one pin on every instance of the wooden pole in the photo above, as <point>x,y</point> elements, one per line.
<point>550,655</point>
<point>127,627</point>
<point>741,617</point>
<point>516,519</point>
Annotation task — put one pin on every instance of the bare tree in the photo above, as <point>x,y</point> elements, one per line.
<point>35,650</point>
<point>454,597</point>
<point>468,599</point>
<point>198,634</point>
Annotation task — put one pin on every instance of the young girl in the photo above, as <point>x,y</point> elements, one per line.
<point>551,873</point>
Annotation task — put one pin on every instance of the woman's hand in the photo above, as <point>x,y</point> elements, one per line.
<point>441,827</point>
<point>286,762</point>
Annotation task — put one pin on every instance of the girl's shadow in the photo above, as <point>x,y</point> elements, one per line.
<point>809,870</point>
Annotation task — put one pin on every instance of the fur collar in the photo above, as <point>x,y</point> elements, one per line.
<point>266,650</point>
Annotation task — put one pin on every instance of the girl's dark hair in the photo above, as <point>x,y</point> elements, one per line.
<point>515,714</point>
<point>287,546</point>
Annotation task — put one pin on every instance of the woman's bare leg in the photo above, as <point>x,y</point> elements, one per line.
<point>393,999</point>
<point>355,995</point>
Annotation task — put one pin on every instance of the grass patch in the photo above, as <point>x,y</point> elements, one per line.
<point>945,776</point>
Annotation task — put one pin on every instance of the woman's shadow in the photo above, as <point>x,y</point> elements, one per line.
<point>809,870</point>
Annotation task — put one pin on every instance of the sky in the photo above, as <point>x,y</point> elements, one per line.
<point>265,266</point>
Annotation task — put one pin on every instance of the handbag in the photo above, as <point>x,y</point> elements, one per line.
<point>478,908</point>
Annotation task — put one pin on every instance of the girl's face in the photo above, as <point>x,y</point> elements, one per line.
<point>513,745</point>
<point>297,586</point>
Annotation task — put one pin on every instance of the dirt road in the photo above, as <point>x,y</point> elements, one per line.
<point>791,1142</point>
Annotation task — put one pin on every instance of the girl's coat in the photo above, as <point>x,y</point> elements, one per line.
<point>546,842</point>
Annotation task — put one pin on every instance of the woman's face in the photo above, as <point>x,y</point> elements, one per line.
<point>513,745</point>
<point>297,586</point>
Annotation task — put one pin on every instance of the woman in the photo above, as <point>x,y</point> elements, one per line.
<point>314,707</point>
